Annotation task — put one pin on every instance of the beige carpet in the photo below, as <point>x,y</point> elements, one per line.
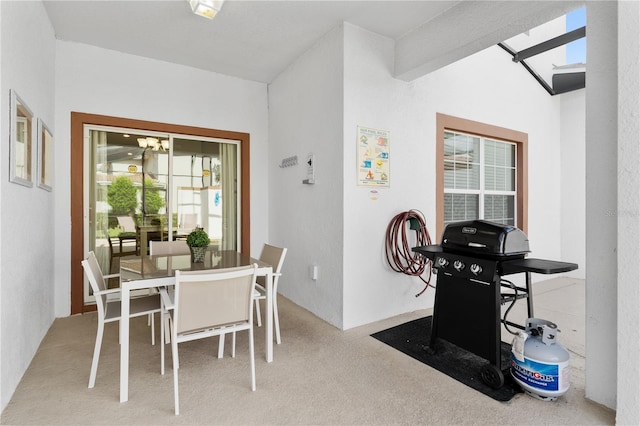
<point>320,375</point>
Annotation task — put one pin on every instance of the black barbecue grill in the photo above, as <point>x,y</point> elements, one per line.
<point>469,263</point>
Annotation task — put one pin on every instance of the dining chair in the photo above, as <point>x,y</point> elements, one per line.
<point>160,248</point>
<point>110,310</point>
<point>128,232</point>
<point>273,256</point>
<point>205,304</point>
<point>188,222</point>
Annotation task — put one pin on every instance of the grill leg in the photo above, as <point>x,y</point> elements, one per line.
<point>529,295</point>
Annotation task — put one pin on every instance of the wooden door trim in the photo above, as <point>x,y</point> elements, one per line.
<point>78,121</point>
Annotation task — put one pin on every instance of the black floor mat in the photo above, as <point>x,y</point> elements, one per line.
<point>412,338</point>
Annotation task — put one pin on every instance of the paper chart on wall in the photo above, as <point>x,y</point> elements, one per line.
<point>373,157</point>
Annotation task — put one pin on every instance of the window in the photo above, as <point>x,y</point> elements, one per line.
<point>479,179</point>
<point>481,173</point>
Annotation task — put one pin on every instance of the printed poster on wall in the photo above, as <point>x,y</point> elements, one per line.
<point>373,157</point>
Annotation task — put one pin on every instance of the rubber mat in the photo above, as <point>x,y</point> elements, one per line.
<point>412,338</point>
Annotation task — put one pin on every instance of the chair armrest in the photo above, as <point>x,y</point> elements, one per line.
<point>107,291</point>
<point>166,299</point>
<point>111,276</point>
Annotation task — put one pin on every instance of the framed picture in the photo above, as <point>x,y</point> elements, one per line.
<point>21,133</point>
<point>45,156</point>
<point>373,157</point>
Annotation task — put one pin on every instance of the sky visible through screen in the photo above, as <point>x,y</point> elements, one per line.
<point>577,50</point>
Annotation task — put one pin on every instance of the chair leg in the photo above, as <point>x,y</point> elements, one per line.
<point>233,345</point>
<point>96,355</point>
<point>174,354</point>
<point>167,329</point>
<point>221,346</point>
<point>276,319</point>
<point>162,340</point>
<point>258,316</point>
<point>253,361</point>
<point>153,329</point>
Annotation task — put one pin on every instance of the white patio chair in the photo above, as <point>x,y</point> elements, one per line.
<point>205,304</point>
<point>110,310</point>
<point>273,256</point>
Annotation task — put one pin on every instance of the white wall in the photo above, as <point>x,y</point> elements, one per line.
<point>601,203</point>
<point>486,87</point>
<point>373,98</point>
<point>305,116</point>
<point>27,228</point>
<point>98,81</point>
<point>572,176</point>
<point>628,336</point>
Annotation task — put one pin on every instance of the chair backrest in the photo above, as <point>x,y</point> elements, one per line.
<point>274,256</point>
<point>212,299</point>
<point>188,222</point>
<point>96,280</point>
<point>127,224</point>
<point>160,248</point>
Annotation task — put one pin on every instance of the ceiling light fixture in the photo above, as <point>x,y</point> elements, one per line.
<point>206,8</point>
<point>153,143</point>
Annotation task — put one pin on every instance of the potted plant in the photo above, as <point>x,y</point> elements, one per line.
<point>198,241</point>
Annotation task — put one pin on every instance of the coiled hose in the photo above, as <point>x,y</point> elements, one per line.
<point>397,249</point>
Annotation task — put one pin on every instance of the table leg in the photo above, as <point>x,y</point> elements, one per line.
<point>124,343</point>
<point>269,318</point>
<point>143,242</point>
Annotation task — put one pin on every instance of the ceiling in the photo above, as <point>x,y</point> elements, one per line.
<point>254,40</point>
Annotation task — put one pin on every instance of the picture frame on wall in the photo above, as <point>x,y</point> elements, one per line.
<point>21,135</point>
<point>45,156</point>
<point>373,157</point>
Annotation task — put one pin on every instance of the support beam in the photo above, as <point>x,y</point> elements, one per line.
<point>550,44</point>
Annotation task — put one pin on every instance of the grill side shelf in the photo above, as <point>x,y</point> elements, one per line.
<point>539,266</point>
<point>429,251</point>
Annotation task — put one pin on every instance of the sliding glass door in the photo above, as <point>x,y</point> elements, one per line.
<point>144,186</point>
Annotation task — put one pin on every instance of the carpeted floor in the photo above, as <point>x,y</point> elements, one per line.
<point>320,376</point>
<point>412,338</point>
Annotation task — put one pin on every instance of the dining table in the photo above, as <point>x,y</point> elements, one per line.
<point>140,273</point>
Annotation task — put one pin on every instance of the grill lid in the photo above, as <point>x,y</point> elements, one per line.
<point>484,238</point>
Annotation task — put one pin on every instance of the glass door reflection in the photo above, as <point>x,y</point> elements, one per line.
<point>145,186</point>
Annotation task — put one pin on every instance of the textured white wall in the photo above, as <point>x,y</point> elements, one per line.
<point>486,87</point>
<point>305,116</point>
<point>628,362</point>
<point>373,98</point>
<point>99,81</point>
<point>572,154</point>
<point>601,203</point>
<point>27,55</point>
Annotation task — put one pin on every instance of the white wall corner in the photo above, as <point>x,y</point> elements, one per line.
<point>628,336</point>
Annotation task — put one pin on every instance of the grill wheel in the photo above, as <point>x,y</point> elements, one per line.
<point>492,376</point>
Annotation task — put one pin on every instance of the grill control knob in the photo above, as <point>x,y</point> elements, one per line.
<point>458,265</point>
<point>476,269</point>
<point>442,262</point>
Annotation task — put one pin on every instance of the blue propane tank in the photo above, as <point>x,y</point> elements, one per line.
<point>539,364</point>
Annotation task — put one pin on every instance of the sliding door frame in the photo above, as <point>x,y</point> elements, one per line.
<point>78,122</point>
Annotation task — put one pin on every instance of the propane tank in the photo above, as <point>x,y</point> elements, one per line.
<point>539,364</point>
